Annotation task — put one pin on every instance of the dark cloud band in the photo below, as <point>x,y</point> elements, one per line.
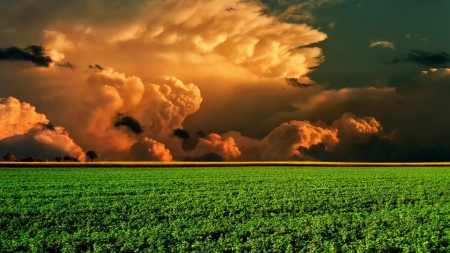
<point>438,60</point>
<point>34,54</point>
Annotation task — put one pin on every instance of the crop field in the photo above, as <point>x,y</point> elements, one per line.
<point>234,209</point>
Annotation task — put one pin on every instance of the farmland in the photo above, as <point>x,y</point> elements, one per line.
<point>236,209</point>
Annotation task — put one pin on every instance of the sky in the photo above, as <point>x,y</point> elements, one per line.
<point>213,80</point>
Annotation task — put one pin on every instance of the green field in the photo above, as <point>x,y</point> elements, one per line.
<point>266,209</point>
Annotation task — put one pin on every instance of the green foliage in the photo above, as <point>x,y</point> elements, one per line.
<point>225,210</point>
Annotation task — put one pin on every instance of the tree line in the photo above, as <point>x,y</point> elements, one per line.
<point>10,157</point>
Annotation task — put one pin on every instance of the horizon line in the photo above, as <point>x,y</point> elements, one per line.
<point>5,164</point>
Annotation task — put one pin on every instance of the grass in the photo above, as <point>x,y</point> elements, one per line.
<point>239,209</point>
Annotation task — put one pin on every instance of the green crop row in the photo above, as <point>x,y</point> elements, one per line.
<point>248,209</point>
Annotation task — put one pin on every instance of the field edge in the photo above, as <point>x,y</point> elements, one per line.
<point>218,164</point>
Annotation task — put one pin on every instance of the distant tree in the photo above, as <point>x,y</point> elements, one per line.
<point>9,157</point>
<point>39,160</point>
<point>58,158</point>
<point>74,159</point>
<point>92,155</point>
<point>28,159</point>
<point>67,158</point>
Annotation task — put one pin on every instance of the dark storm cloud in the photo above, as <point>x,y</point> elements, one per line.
<point>294,82</point>
<point>34,54</point>
<point>66,65</point>
<point>188,142</point>
<point>181,133</point>
<point>201,134</point>
<point>96,66</point>
<point>208,157</point>
<point>377,150</point>
<point>441,59</point>
<point>131,123</point>
<point>48,126</point>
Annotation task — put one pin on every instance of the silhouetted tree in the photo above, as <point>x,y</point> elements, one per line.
<point>28,159</point>
<point>92,155</point>
<point>58,158</point>
<point>74,159</point>
<point>39,160</point>
<point>10,157</point>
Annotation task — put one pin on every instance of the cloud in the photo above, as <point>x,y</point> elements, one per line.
<point>332,24</point>
<point>34,54</point>
<point>225,147</point>
<point>66,65</point>
<point>198,67</point>
<point>95,66</point>
<point>408,36</point>
<point>383,44</point>
<point>129,122</point>
<point>181,133</point>
<point>152,109</point>
<point>28,133</point>
<point>294,11</point>
<point>295,82</point>
<point>243,38</point>
<point>196,46</point>
<point>283,142</point>
<point>150,150</point>
<point>17,117</point>
<point>188,142</point>
<point>303,140</point>
<point>421,57</point>
<point>420,126</point>
<point>42,143</point>
<point>357,130</point>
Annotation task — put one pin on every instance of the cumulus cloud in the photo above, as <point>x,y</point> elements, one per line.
<point>56,42</point>
<point>302,140</point>
<point>42,143</point>
<point>150,150</point>
<point>283,142</point>
<point>196,32</point>
<point>153,109</point>
<point>357,130</point>
<point>238,59</point>
<point>28,133</point>
<point>165,105</point>
<point>225,147</point>
<point>383,44</point>
<point>17,117</point>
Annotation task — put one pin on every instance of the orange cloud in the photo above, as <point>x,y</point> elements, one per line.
<point>158,107</point>
<point>225,147</point>
<point>18,118</point>
<point>357,130</point>
<point>149,150</point>
<point>26,133</point>
<point>283,142</point>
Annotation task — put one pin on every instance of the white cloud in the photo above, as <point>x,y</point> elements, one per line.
<point>383,44</point>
